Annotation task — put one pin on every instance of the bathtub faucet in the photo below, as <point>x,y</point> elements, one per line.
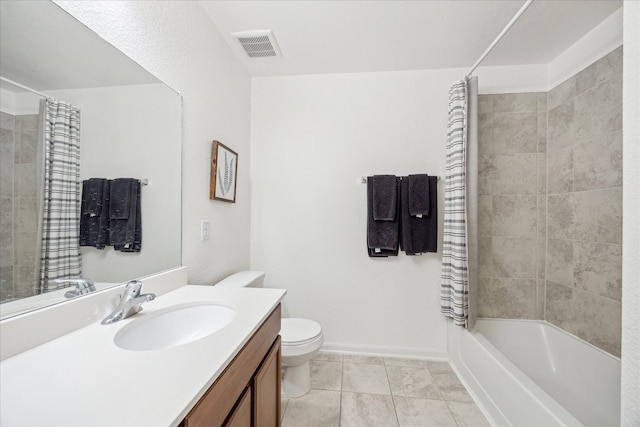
<point>130,302</point>
<point>82,286</point>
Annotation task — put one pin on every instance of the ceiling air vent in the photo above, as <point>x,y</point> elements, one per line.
<point>258,44</point>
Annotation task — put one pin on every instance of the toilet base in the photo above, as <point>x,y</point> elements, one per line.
<point>296,380</point>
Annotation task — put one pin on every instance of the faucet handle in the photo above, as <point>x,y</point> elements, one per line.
<point>132,290</point>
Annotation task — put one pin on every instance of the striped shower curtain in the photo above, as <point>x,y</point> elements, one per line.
<point>454,296</point>
<point>59,247</point>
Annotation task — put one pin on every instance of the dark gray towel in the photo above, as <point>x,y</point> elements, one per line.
<point>382,236</point>
<point>419,235</point>
<point>137,237</point>
<point>122,232</point>
<point>418,194</point>
<point>121,196</point>
<point>94,230</point>
<point>385,196</point>
<point>92,196</point>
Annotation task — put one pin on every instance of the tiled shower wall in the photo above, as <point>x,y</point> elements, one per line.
<point>18,217</point>
<point>511,221</point>
<point>572,278</point>
<point>584,250</point>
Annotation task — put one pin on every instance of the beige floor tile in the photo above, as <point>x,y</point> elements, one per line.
<point>436,367</point>
<point>283,407</point>
<point>328,356</point>
<point>451,388</point>
<point>362,378</point>
<point>412,382</point>
<point>357,358</point>
<point>367,410</point>
<point>413,412</point>
<point>467,414</point>
<point>318,408</point>
<point>413,363</point>
<point>326,375</point>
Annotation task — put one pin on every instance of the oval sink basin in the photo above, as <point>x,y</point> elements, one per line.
<point>174,326</point>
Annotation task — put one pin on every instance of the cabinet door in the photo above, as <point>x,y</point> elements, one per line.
<point>241,415</point>
<point>266,389</point>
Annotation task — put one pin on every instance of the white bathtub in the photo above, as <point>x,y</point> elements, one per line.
<point>531,373</point>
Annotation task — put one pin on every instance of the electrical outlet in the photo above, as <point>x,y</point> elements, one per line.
<point>204,229</point>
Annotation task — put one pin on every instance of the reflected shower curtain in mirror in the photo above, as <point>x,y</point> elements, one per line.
<point>454,294</point>
<point>60,250</point>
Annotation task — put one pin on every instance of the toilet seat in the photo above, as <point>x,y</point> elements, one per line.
<point>298,332</point>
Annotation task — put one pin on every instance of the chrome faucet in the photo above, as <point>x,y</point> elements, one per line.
<point>83,286</point>
<point>130,302</point>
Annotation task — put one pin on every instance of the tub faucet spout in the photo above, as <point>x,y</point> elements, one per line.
<point>130,302</point>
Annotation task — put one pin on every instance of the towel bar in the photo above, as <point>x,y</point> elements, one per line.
<point>363,179</point>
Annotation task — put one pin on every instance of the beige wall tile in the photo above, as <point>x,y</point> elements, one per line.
<point>605,69</point>
<point>485,257</point>
<point>560,125</point>
<point>515,103</point>
<point>485,215</point>
<point>514,174</point>
<point>514,257</point>
<point>560,178</point>
<point>560,216</point>
<point>515,133</point>
<point>597,163</point>
<point>561,93</point>
<point>598,269</point>
<point>598,215</point>
<point>560,261</point>
<point>598,111</point>
<point>485,104</point>
<point>514,216</point>
<point>511,298</point>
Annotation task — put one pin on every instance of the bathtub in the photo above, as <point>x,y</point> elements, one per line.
<point>531,373</point>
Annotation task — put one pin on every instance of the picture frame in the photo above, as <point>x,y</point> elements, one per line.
<point>224,173</point>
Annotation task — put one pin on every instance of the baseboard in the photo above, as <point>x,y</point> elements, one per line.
<point>384,351</point>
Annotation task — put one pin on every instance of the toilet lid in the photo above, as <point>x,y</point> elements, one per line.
<point>299,331</point>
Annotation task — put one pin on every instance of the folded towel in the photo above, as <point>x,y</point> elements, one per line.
<point>92,196</point>
<point>122,231</point>
<point>419,235</point>
<point>94,229</point>
<point>121,196</point>
<point>382,236</point>
<point>385,197</point>
<point>418,194</point>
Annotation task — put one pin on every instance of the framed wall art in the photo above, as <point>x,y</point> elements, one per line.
<point>224,172</point>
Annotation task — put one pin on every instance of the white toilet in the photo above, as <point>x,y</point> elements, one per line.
<point>301,340</point>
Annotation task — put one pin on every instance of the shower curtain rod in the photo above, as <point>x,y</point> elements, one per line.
<point>4,79</point>
<point>497,40</point>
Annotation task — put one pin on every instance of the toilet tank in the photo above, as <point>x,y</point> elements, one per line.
<point>243,279</point>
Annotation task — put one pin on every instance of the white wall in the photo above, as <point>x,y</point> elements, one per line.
<point>313,137</point>
<point>177,42</point>
<point>630,415</point>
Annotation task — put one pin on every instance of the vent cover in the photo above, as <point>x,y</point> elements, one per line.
<point>258,44</point>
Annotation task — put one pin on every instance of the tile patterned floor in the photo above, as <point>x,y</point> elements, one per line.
<point>361,391</point>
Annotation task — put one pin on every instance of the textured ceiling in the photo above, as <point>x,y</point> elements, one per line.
<point>43,47</point>
<point>340,36</point>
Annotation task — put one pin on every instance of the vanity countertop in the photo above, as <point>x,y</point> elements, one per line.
<point>84,379</point>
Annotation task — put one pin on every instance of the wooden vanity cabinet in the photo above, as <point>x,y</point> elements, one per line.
<point>247,393</point>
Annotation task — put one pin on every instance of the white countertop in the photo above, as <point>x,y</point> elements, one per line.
<point>84,379</point>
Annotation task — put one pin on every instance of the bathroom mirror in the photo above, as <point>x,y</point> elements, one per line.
<point>130,127</point>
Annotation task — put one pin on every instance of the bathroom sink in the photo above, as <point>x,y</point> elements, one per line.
<point>174,326</point>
